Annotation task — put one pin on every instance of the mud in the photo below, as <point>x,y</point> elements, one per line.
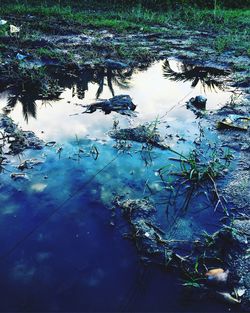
<point>146,134</point>
<point>236,191</point>
<point>14,140</point>
<point>237,187</point>
<point>239,260</point>
<point>148,237</point>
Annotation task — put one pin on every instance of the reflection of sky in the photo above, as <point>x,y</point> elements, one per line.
<point>151,92</point>
<point>76,257</point>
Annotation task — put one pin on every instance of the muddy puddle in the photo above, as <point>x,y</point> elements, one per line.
<point>62,245</point>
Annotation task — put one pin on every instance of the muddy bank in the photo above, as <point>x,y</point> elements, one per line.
<point>237,189</point>
<point>14,140</point>
<point>225,252</point>
<point>239,259</point>
<point>146,134</point>
<point>237,192</point>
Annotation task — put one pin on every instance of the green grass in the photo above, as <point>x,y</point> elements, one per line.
<point>49,53</point>
<point>4,29</point>
<point>149,4</point>
<point>137,17</point>
<point>140,54</point>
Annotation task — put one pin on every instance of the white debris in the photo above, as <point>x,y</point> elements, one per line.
<point>14,29</point>
<point>240,292</point>
<point>3,22</point>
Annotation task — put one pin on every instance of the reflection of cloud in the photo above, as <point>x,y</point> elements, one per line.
<point>43,256</point>
<point>58,122</point>
<point>9,209</point>
<point>22,272</point>
<point>153,94</point>
<point>38,187</point>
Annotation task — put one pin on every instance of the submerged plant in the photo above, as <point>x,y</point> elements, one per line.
<point>195,172</point>
<point>94,152</point>
<point>192,281</point>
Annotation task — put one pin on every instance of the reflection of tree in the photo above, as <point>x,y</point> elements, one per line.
<point>113,77</point>
<point>102,77</point>
<point>28,92</point>
<point>209,77</point>
<point>27,97</point>
<point>80,84</point>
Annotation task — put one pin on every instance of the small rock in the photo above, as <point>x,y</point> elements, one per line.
<point>199,102</point>
<point>27,164</point>
<point>50,144</point>
<point>240,291</point>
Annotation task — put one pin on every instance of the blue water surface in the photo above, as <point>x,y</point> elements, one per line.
<point>60,249</point>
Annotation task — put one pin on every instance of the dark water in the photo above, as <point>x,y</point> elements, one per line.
<point>58,250</point>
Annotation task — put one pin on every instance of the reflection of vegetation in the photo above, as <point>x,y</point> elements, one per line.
<point>27,93</point>
<point>50,87</point>
<point>101,77</point>
<point>116,77</point>
<point>208,77</point>
<point>27,97</point>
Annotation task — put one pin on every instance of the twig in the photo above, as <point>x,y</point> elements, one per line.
<point>218,196</point>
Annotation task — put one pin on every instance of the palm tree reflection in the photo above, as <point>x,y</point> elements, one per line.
<point>113,77</point>
<point>101,77</point>
<point>209,77</point>
<point>27,97</point>
<point>27,93</point>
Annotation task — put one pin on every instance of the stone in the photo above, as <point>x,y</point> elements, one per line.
<point>199,102</point>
